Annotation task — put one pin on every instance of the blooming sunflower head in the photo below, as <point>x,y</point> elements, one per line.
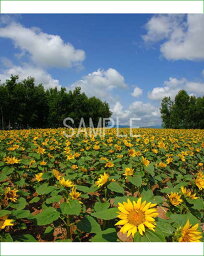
<point>145,161</point>
<point>128,171</point>
<point>102,179</point>
<point>199,181</point>
<point>38,177</point>
<point>188,193</point>
<point>136,216</point>
<point>11,194</point>
<point>189,233</point>
<point>175,199</point>
<point>74,194</point>
<point>109,164</point>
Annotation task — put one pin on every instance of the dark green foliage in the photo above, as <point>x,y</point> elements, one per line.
<point>27,105</point>
<point>185,112</point>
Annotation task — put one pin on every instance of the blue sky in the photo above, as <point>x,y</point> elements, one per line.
<point>108,56</point>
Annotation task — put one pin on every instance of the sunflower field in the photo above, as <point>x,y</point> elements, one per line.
<point>142,188</point>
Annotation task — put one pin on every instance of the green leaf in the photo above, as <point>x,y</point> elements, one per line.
<point>86,189</point>
<point>4,213</point>
<point>116,187</point>
<point>25,238</point>
<point>6,237</point>
<point>107,235</point>
<point>34,200</point>
<point>198,204</point>
<point>53,199</point>
<point>48,230</point>
<point>181,219</point>
<point>107,214</point>
<point>150,169</point>
<point>149,236</point>
<point>101,206</point>
<point>7,170</point>
<point>89,225</point>
<point>147,195</point>
<point>20,204</point>
<point>136,180</point>
<point>71,208</point>
<point>44,189</point>
<point>165,227</point>
<point>21,182</point>
<point>20,214</point>
<point>47,216</point>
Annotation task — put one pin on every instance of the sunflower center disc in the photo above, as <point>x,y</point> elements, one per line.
<point>136,217</point>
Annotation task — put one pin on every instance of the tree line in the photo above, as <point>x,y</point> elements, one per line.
<point>23,105</point>
<point>184,112</point>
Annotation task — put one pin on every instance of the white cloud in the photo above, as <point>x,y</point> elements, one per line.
<point>173,86</point>
<point>100,83</point>
<point>25,71</point>
<point>45,49</point>
<point>137,92</point>
<point>182,36</point>
<point>147,113</point>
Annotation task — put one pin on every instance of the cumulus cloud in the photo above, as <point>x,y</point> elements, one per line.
<point>44,49</point>
<point>25,71</point>
<point>182,36</point>
<point>146,113</point>
<point>173,86</point>
<point>100,83</point>
<point>137,92</point>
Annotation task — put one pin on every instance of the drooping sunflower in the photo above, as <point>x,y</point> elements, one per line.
<point>175,199</point>
<point>57,174</point>
<point>66,183</point>
<point>102,180</point>
<point>136,216</point>
<point>11,160</point>
<point>4,222</point>
<point>188,193</point>
<point>11,194</point>
<point>190,233</point>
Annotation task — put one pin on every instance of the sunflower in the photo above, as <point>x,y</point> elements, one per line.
<point>57,174</point>
<point>128,171</point>
<point>4,222</point>
<point>109,164</point>
<point>43,163</point>
<point>131,152</point>
<point>175,199</point>
<point>11,160</point>
<point>38,176</point>
<point>199,181</point>
<point>74,194</point>
<point>162,165</point>
<point>136,216</point>
<point>188,193</point>
<point>102,180</point>
<point>190,233</point>
<point>145,161</point>
<point>11,194</point>
<point>66,183</point>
